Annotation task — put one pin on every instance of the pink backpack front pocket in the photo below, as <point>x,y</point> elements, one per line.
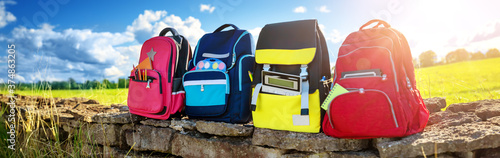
<point>146,95</point>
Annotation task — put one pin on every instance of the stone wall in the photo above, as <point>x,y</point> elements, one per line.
<point>464,130</point>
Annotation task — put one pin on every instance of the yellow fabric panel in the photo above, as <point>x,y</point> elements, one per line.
<point>285,56</point>
<point>276,111</point>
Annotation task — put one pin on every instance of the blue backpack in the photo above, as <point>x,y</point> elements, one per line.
<point>218,87</point>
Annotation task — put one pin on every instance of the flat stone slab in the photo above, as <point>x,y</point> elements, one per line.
<point>463,138</point>
<point>488,110</point>
<point>435,104</point>
<point>191,145</point>
<point>223,129</point>
<point>156,123</point>
<point>115,117</point>
<point>495,120</point>
<point>183,124</point>
<point>444,119</point>
<point>344,154</point>
<point>144,138</point>
<point>312,142</point>
<point>104,134</point>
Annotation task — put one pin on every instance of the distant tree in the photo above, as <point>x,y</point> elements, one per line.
<point>96,84</point>
<point>72,83</point>
<point>493,53</point>
<point>477,56</point>
<point>121,83</point>
<point>427,58</point>
<point>457,56</point>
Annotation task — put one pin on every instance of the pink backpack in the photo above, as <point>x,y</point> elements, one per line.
<point>155,87</point>
<point>376,92</point>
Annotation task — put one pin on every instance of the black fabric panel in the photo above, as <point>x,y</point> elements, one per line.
<point>183,58</point>
<point>297,35</point>
<point>288,35</point>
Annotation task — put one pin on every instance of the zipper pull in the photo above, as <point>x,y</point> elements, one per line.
<point>147,86</point>
<point>361,91</point>
<point>202,89</point>
<point>384,77</point>
<point>408,83</point>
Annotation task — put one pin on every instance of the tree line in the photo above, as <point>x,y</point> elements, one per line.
<point>429,58</point>
<point>72,84</point>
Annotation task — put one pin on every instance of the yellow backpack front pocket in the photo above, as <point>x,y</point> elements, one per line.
<point>278,112</point>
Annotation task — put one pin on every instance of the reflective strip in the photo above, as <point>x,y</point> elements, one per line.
<point>255,95</point>
<point>179,92</point>
<point>304,100</point>
<point>239,69</point>
<point>390,57</point>
<point>205,82</point>
<point>285,56</point>
<point>218,56</point>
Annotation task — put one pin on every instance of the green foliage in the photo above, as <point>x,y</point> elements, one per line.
<point>71,84</point>
<point>461,82</point>
<point>427,58</point>
<point>457,56</point>
<point>477,56</point>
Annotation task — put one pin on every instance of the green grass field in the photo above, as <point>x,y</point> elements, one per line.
<point>461,82</point>
<point>104,96</point>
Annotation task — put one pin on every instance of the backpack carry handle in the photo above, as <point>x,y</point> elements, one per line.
<point>224,26</point>
<point>169,29</point>
<point>380,22</point>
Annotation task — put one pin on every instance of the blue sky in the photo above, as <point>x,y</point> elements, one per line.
<point>87,40</point>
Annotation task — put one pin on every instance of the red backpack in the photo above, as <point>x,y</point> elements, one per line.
<point>155,88</point>
<point>375,71</point>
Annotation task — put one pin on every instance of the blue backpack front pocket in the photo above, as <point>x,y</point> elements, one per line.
<point>206,92</point>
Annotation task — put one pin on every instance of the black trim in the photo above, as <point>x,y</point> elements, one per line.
<point>162,112</point>
<point>161,85</point>
<point>170,64</point>
<point>304,111</point>
<point>224,26</point>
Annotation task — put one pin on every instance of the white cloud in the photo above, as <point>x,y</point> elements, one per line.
<point>51,55</point>
<point>332,35</point>
<point>19,78</point>
<point>255,33</point>
<point>5,16</point>
<point>207,7</point>
<point>323,9</point>
<point>151,23</point>
<point>300,9</point>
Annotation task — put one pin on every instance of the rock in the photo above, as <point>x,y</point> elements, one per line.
<point>91,101</point>
<point>445,119</point>
<point>156,123</point>
<point>495,120</point>
<point>121,107</point>
<point>464,107</point>
<point>104,134</point>
<point>117,152</point>
<point>306,141</point>
<point>487,153</point>
<point>223,129</point>
<point>488,110</point>
<point>190,145</point>
<point>180,125</point>
<point>462,138</point>
<point>376,141</point>
<point>435,104</point>
<point>116,117</point>
<point>83,150</point>
<point>143,138</point>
